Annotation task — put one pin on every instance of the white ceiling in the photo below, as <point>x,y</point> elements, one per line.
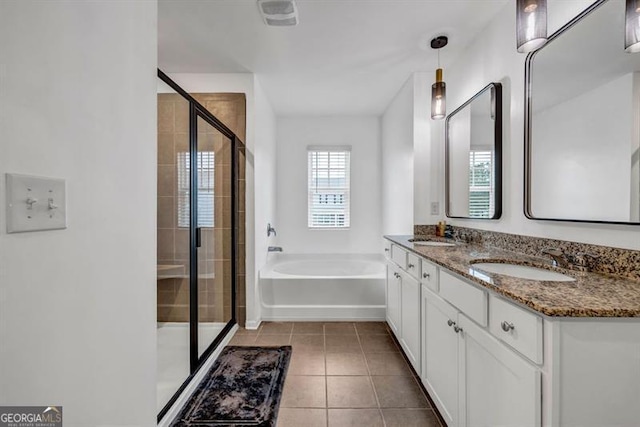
<point>345,57</point>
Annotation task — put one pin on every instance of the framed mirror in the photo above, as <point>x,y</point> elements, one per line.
<point>582,122</point>
<point>473,159</point>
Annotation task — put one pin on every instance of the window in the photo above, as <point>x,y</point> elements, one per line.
<point>481,184</point>
<point>206,179</point>
<point>329,187</point>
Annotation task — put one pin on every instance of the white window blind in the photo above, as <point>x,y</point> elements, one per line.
<point>206,181</point>
<point>481,184</point>
<point>329,187</point>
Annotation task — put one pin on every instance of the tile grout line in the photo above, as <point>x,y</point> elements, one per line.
<point>366,363</point>
<point>417,381</point>
<point>326,373</point>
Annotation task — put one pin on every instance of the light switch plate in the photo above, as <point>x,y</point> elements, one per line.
<point>35,203</point>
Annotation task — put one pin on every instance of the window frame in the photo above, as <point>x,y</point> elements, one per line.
<point>490,188</point>
<point>345,190</point>
<point>206,189</point>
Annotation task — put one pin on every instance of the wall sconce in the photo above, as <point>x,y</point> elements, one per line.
<point>531,24</point>
<point>439,88</point>
<point>632,27</point>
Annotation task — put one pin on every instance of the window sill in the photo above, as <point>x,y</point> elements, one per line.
<point>328,228</point>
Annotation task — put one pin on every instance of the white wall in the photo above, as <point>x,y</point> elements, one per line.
<point>410,162</point>
<point>294,135</point>
<point>78,101</point>
<point>426,165</point>
<point>460,132</point>
<point>265,193</point>
<point>493,57</point>
<point>397,163</point>
<point>580,158</point>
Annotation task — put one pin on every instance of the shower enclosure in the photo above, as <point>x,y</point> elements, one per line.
<point>200,167</point>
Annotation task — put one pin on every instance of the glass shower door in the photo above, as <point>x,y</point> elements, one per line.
<point>214,233</point>
<point>198,232</point>
<point>173,246</point>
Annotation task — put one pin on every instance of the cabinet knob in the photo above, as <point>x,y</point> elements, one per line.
<point>397,276</point>
<point>410,265</point>
<point>450,322</point>
<point>506,326</point>
<point>426,275</point>
<point>457,328</point>
<point>386,249</point>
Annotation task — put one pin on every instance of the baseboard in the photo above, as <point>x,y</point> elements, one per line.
<point>252,324</point>
<point>195,381</point>
<point>327,313</point>
<point>321,319</point>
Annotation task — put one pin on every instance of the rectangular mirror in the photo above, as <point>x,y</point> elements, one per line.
<point>474,157</point>
<point>582,122</point>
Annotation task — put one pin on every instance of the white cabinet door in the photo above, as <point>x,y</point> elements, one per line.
<point>394,281</point>
<point>440,373</point>
<point>498,387</point>
<point>410,315</point>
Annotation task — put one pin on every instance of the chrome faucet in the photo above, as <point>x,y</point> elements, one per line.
<point>559,258</point>
<point>274,249</point>
<point>581,261</point>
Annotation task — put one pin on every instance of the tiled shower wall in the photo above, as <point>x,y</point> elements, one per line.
<point>214,259</point>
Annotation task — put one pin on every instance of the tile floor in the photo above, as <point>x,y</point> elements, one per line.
<point>344,374</point>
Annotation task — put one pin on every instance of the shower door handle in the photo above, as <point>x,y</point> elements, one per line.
<point>198,237</point>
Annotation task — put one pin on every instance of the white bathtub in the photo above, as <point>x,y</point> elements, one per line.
<point>323,287</point>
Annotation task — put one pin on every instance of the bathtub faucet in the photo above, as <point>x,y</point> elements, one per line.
<point>274,249</point>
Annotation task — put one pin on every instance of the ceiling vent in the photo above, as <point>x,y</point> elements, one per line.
<point>279,13</point>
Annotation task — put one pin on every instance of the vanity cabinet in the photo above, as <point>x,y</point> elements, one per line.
<point>410,319</point>
<point>394,283</point>
<point>403,302</point>
<point>473,378</point>
<point>519,329</point>
<point>488,361</point>
<point>498,387</point>
<point>429,276</point>
<point>387,249</point>
<point>440,354</point>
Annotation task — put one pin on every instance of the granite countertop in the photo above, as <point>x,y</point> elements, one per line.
<point>590,295</point>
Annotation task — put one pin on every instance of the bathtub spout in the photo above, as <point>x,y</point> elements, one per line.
<point>274,249</point>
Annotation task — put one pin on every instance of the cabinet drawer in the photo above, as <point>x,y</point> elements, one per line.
<point>516,327</point>
<point>413,265</point>
<point>429,275</point>
<point>387,249</point>
<point>466,297</point>
<point>399,256</point>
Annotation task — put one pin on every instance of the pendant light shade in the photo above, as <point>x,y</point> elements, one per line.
<point>632,27</point>
<point>531,24</point>
<point>438,97</point>
<point>439,88</point>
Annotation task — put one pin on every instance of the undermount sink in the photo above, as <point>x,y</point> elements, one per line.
<point>428,242</point>
<point>433,243</point>
<point>523,271</point>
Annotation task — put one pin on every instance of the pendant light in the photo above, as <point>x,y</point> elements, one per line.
<point>531,24</point>
<point>632,27</point>
<point>439,88</point>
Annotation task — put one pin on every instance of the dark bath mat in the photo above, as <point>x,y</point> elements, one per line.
<point>242,388</point>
